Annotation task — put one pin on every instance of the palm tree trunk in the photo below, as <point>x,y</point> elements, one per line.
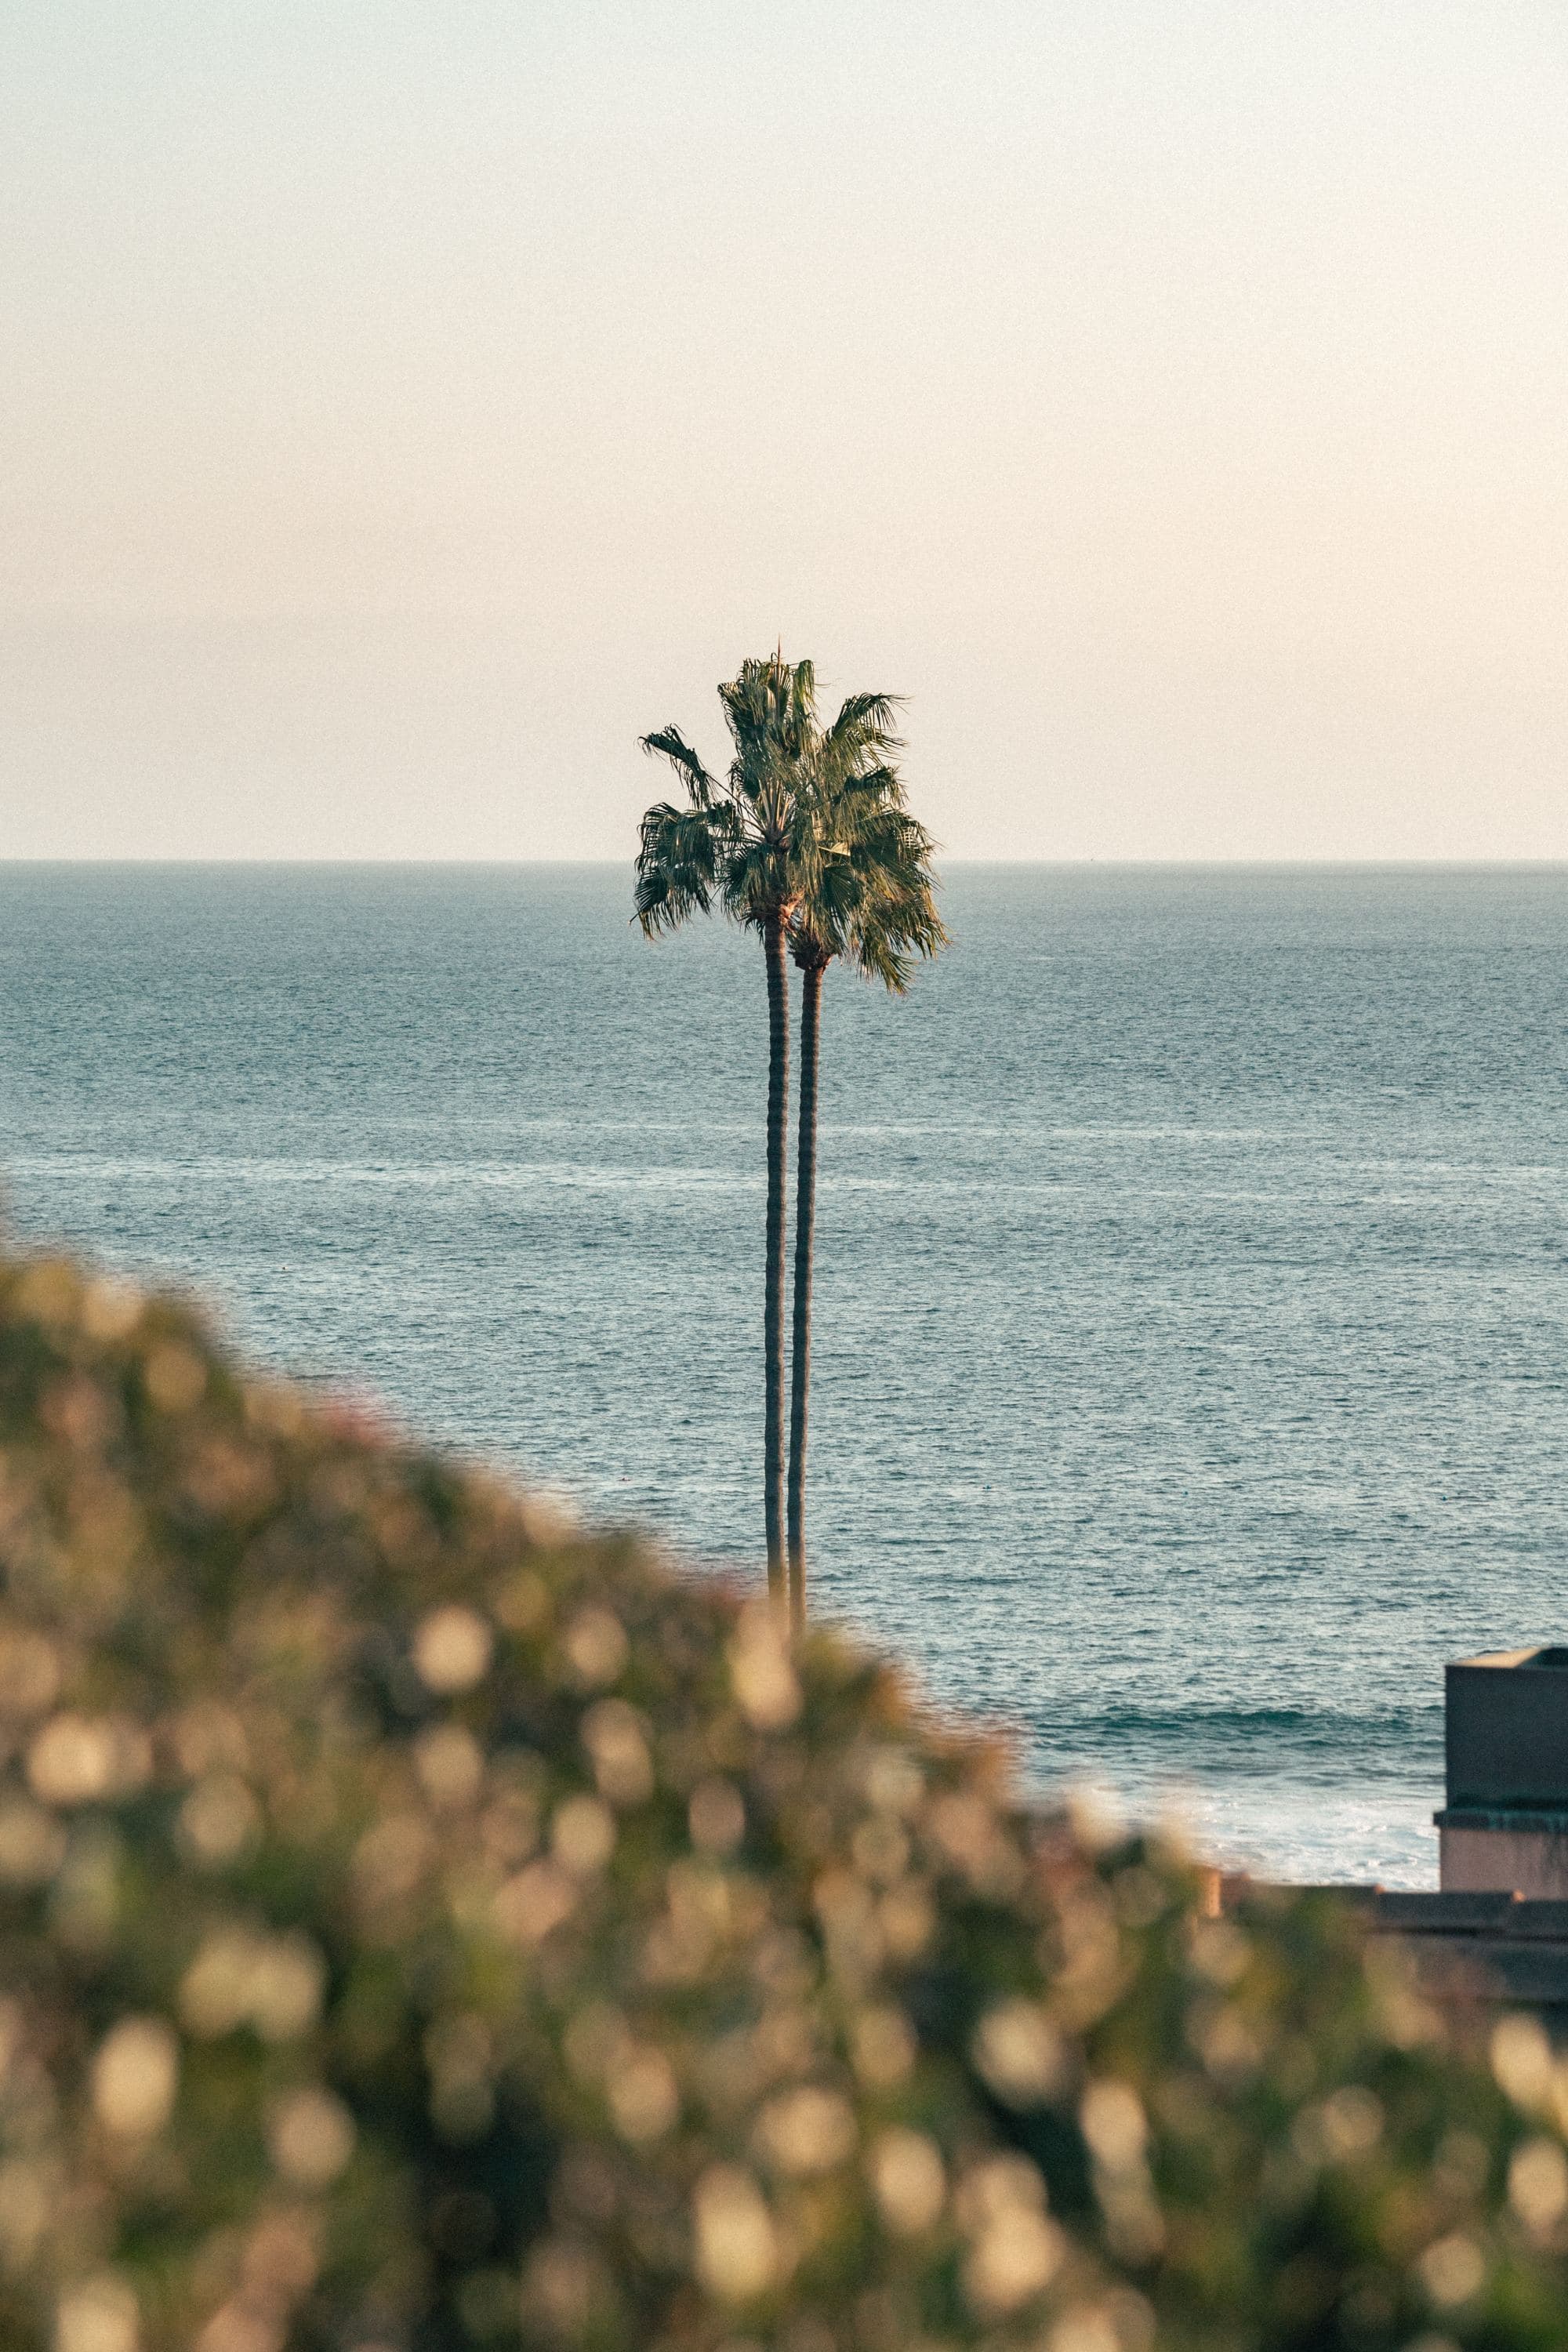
<point>772,1313</point>
<point>804,1238</point>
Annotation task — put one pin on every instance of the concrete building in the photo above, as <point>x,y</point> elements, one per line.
<point>1497,1928</point>
<point>1504,1829</point>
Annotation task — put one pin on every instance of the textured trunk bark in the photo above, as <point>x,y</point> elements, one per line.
<point>773,1312</point>
<point>805,1242</point>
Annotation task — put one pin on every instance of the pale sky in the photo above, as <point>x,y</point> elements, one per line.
<point>407,405</point>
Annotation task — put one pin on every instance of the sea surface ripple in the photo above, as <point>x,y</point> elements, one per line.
<point>1192,1338</point>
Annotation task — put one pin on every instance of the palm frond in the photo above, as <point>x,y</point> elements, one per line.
<point>669,743</point>
<point>681,856</point>
<point>866,722</point>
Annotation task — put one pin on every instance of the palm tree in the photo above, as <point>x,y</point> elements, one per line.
<point>742,841</point>
<point>866,894</point>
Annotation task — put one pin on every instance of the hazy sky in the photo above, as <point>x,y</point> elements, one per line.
<point>407,401</point>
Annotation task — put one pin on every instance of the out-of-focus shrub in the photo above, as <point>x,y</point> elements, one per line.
<point>424,1924</point>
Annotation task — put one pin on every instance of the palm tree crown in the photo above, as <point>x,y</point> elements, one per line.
<point>868,892</point>
<point>743,840</point>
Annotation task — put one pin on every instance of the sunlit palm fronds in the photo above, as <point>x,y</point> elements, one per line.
<point>868,890</point>
<point>672,745</point>
<point>679,859</point>
<point>744,843</point>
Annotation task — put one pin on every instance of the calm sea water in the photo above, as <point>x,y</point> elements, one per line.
<point>1192,1302</point>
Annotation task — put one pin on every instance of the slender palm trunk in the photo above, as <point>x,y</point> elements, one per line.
<point>772,1313</point>
<point>804,1239</point>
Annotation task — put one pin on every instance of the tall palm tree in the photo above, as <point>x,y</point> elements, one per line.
<point>868,895</point>
<point>741,842</point>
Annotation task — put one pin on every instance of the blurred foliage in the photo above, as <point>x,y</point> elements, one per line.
<point>426,1925</point>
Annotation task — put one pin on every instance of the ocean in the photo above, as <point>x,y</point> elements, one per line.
<point>1192,1311</point>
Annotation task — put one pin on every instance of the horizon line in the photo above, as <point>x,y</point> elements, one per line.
<point>1059,865</point>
